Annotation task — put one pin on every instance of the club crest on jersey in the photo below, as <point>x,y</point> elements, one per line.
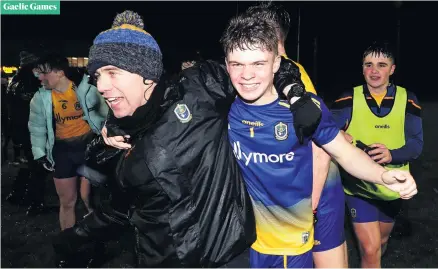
<point>182,112</point>
<point>280,131</point>
<point>353,213</point>
<point>305,237</point>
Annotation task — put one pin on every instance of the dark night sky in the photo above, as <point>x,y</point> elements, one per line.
<point>343,30</point>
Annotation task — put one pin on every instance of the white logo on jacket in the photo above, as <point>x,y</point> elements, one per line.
<point>182,112</point>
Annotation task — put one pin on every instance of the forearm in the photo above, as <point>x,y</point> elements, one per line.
<point>321,165</point>
<point>355,161</point>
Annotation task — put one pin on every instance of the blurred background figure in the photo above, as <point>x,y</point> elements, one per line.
<point>19,92</point>
<point>189,58</point>
<point>29,184</point>
<point>5,117</point>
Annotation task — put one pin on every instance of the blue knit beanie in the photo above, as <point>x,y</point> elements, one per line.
<point>127,46</point>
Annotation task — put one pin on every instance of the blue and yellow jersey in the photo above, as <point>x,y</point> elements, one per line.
<point>278,172</point>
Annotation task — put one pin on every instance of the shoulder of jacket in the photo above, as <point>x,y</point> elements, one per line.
<point>344,100</point>
<point>413,105</point>
<point>297,64</point>
<point>84,85</point>
<point>206,71</point>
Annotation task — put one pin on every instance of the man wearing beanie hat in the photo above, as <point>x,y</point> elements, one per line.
<point>178,184</point>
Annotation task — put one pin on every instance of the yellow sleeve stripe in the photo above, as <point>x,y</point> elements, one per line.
<point>284,104</point>
<point>343,99</point>
<point>317,103</point>
<point>414,104</point>
<point>285,261</point>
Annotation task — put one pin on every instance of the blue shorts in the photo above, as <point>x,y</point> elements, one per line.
<point>69,155</point>
<point>329,229</point>
<point>369,210</point>
<point>259,260</point>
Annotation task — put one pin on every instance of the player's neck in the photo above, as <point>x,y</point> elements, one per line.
<point>63,85</point>
<point>270,96</point>
<point>378,90</point>
<point>281,50</point>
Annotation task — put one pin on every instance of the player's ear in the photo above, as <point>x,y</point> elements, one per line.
<point>226,64</point>
<point>277,61</point>
<point>392,69</point>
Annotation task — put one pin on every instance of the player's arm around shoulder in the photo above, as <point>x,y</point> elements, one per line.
<point>211,80</point>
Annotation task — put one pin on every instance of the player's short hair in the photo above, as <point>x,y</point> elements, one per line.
<point>247,32</point>
<point>272,13</point>
<point>378,48</point>
<point>52,61</point>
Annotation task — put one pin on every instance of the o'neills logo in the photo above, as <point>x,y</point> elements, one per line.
<point>62,120</point>
<point>384,126</point>
<point>253,123</point>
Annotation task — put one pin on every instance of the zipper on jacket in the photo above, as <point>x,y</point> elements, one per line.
<point>137,248</point>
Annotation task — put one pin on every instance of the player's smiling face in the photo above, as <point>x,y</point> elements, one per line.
<point>252,73</point>
<point>377,69</point>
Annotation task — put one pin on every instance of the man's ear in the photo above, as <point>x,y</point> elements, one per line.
<point>392,69</point>
<point>277,62</point>
<point>226,64</point>
<point>148,82</point>
<point>60,73</point>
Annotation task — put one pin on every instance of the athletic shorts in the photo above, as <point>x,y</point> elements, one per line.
<point>329,229</point>
<point>369,210</point>
<point>259,260</point>
<point>69,155</point>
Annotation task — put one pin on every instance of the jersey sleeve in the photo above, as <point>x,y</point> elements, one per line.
<point>341,110</point>
<point>327,129</point>
<point>413,133</point>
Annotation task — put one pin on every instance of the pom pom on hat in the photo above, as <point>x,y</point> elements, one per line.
<point>128,17</point>
<point>127,46</point>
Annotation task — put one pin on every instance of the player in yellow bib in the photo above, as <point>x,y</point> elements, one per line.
<point>386,118</point>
